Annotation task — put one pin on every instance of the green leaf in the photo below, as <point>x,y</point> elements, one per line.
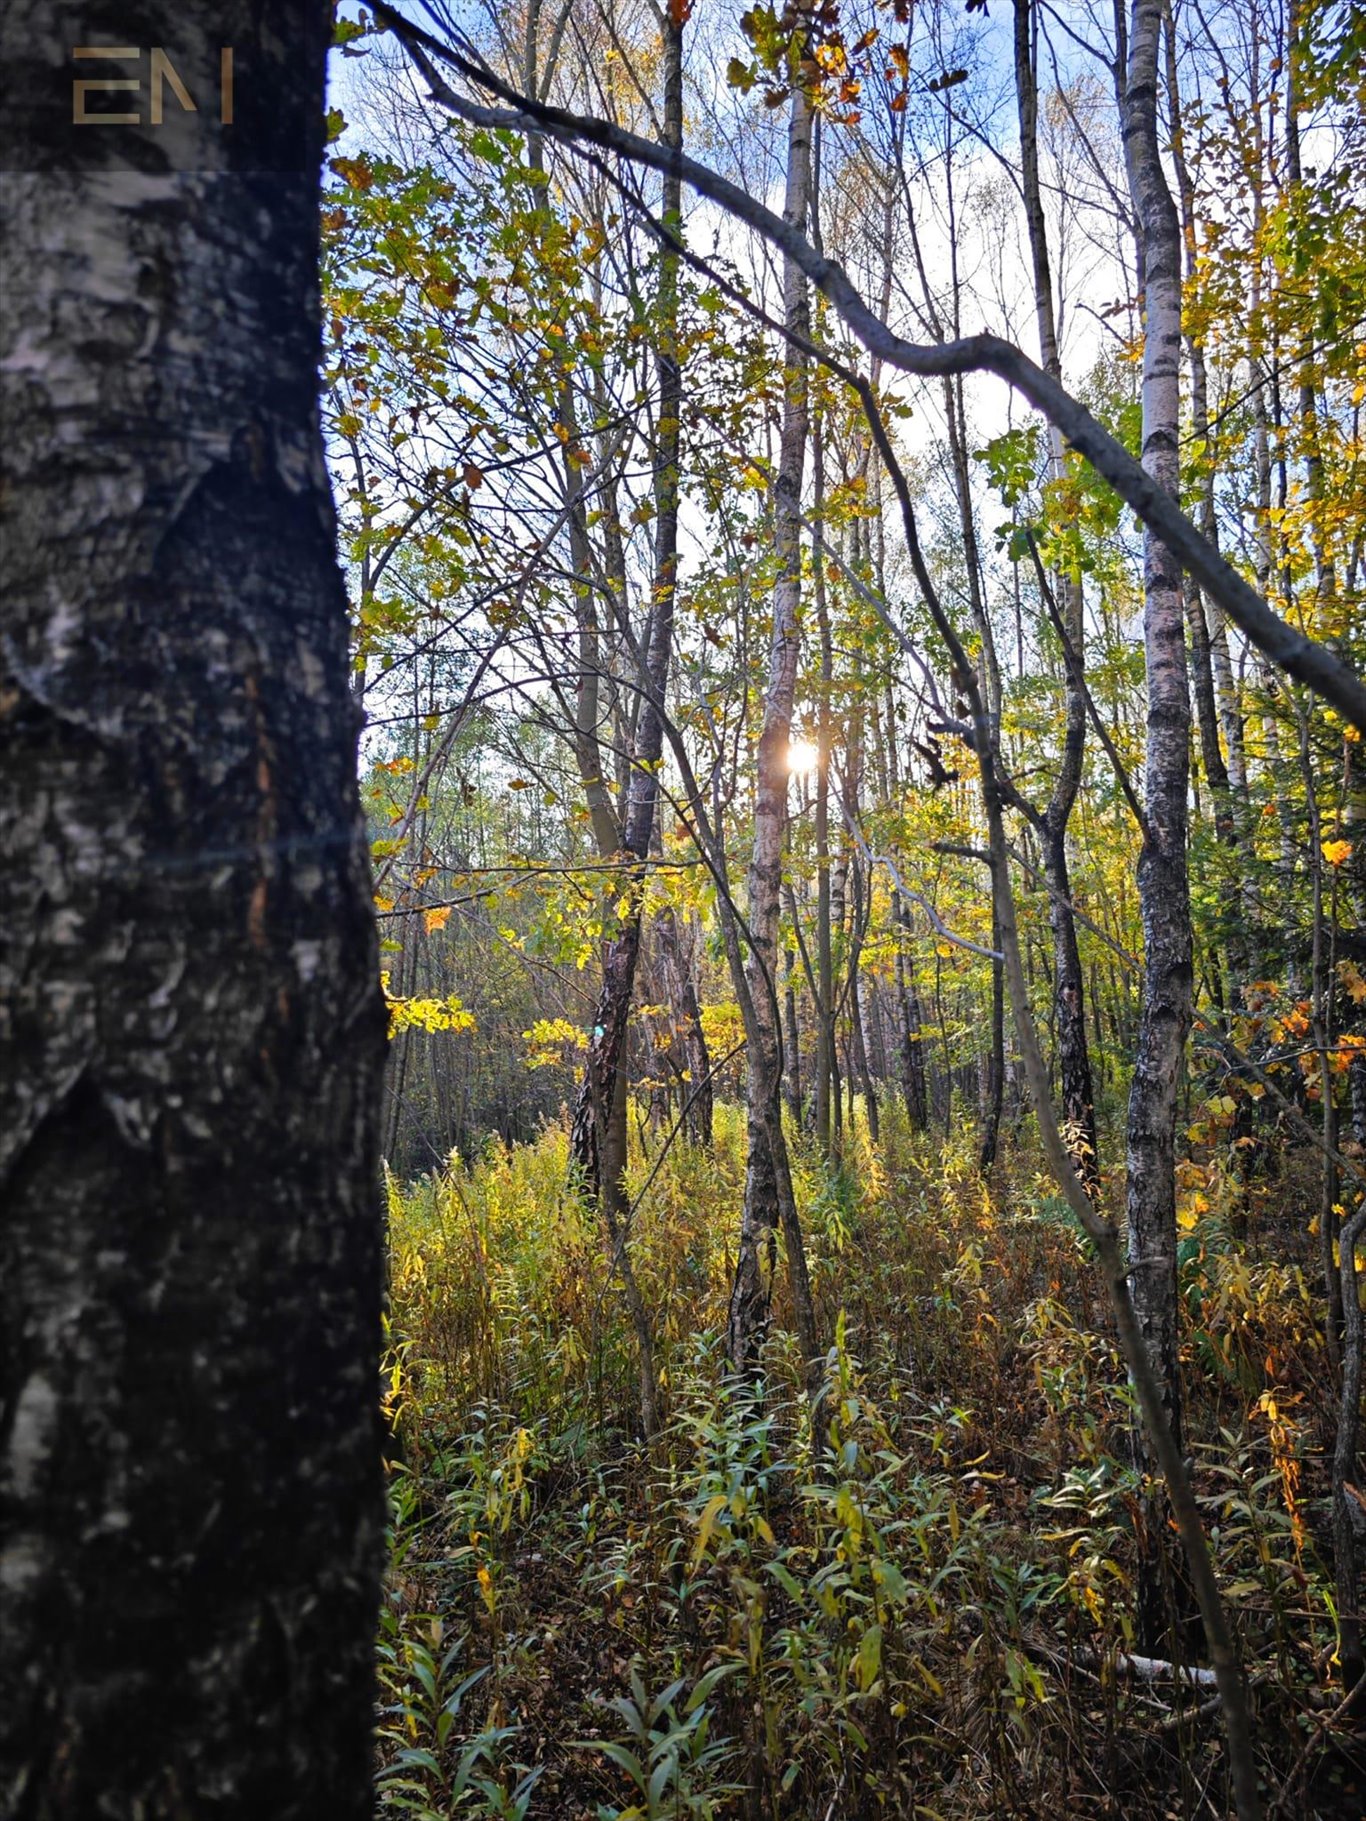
<point>869,1661</point>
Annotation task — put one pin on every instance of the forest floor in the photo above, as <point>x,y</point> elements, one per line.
<point>933,1619</point>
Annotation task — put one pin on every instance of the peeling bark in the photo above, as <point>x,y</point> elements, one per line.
<point>192,1034</point>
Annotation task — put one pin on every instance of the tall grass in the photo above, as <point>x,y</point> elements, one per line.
<point>925,1621</point>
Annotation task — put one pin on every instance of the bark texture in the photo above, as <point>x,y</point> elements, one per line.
<point>1164,886</point>
<point>192,1030</point>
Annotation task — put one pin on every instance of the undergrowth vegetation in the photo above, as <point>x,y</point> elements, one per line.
<point>930,1616</point>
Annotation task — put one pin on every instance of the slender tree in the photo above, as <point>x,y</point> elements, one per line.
<point>599,1155</point>
<point>1163,881</point>
<point>767,1182</point>
<point>1069,996</point>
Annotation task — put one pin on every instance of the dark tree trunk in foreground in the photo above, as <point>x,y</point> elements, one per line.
<point>192,1033</point>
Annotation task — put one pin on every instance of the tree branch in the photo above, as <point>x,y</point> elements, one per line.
<point>1303,658</point>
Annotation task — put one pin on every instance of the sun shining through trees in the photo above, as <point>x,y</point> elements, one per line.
<point>803,758</point>
<point>689,793</point>
<point>873,1265</point>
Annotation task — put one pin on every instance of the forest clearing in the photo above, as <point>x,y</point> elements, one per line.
<point>683,775</point>
<point>720,831</point>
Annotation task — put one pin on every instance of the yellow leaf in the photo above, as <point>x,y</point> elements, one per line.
<point>437,918</point>
<point>426,1014</point>
<point>1335,852</point>
<point>710,1512</point>
<point>486,1587</point>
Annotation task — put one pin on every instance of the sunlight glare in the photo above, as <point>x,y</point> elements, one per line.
<point>803,757</point>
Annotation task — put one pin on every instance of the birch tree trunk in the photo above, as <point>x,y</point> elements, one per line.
<point>768,1187</point>
<point>1164,889</point>
<point>825,964</point>
<point>190,1051</point>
